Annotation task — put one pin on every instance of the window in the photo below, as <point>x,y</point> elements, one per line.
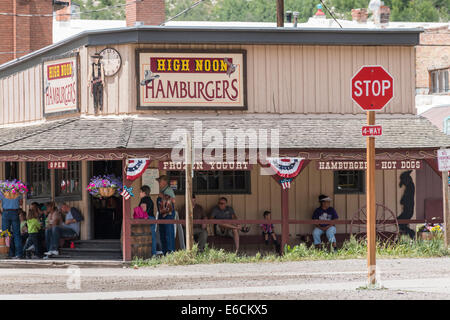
<point>11,170</point>
<point>38,178</point>
<point>348,182</point>
<point>68,181</point>
<point>439,81</point>
<point>213,182</point>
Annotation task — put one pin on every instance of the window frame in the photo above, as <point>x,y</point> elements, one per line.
<point>7,164</point>
<point>439,81</point>
<point>72,196</point>
<point>361,178</point>
<point>220,191</point>
<point>38,198</point>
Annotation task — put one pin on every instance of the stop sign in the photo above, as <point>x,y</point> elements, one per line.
<point>372,88</point>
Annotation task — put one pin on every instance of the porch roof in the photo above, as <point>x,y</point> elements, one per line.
<point>297,131</point>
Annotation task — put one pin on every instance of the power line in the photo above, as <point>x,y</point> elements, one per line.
<point>67,14</point>
<point>182,12</point>
<point>331,13</point>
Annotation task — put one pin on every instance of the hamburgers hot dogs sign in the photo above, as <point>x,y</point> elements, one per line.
<point>190,80</point>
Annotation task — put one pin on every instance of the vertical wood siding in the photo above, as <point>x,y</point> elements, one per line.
<point>280,79</point>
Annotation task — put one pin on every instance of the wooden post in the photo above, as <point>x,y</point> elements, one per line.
<point>446,209</point>
<point>280,13</point>
<point>284,217</point>
<point>189,210</point>
<point>370,194</point>
<point>126,223</point>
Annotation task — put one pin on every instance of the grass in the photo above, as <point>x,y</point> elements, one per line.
<point>352,249</point>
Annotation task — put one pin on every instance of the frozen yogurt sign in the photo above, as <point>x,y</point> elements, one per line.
<point>181,80</point>
<point>60,85</point>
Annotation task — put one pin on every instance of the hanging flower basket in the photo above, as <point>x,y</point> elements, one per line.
<point>5,237</point>
<point>105,186</point>
<point>12,189</point>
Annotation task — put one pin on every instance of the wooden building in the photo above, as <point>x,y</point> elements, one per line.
<point>295,80</point>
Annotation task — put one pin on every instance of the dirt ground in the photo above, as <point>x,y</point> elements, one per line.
<point>404,279</point>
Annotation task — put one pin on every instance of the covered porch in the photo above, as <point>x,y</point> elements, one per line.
<point>319,139</point>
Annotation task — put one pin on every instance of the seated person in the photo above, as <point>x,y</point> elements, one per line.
<point>199,229</point>
<point>70,228</point>
<point>224,212</point>
<point>325,212</point>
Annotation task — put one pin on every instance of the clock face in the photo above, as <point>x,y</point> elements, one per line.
<point>111,61</point>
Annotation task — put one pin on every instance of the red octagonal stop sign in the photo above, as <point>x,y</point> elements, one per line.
<point>372,88</point>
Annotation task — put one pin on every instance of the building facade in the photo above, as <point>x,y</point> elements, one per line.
<point>294,80</point>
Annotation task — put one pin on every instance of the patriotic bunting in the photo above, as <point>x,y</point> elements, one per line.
<point>136,168</point>
<point>287,169</point>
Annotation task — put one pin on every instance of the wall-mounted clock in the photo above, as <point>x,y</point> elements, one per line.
<point>111,61</point>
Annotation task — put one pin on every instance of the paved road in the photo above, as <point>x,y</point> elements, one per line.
<point>340,279</point>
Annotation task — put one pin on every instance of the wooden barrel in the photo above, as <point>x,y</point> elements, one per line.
<point>141,241</point>
<point>4,250</point>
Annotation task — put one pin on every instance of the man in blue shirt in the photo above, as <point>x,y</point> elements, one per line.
<point>325,212</point>
<point>10,220</point>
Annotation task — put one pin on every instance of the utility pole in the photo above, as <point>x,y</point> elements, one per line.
<point>280,13</point>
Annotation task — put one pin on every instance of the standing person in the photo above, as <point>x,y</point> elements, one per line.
<point>23,226</point>
<point>199,229</point>
<point>10,220</point>
<point>325,212</point>
<point>268,229</point>
<point>146,199</point>
<point>166,208</point>
<point>33,226</point>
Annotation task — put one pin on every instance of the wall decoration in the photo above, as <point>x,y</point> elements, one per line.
<point>149,179</point>
<point>60,84</point>
<point>136,167</point>
<point>111,61</point>
<point>191,80</point>
<point>287,169</point>
<point>407,201</point>
<point>127,192</point>
<point>96,81</point>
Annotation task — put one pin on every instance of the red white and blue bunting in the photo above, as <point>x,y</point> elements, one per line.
<point>287,169</point>
<point>136,168</point>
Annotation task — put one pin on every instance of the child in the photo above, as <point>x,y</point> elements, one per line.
<point>33,226</point>
<point>268,229</point>
<point>23,226</point>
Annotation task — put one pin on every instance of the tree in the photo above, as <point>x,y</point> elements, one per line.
<point>113,13</point>
<point>265,10</point>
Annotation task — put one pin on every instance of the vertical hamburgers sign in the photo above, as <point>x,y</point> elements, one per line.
<point>191,80</point>
<point>60,85</point>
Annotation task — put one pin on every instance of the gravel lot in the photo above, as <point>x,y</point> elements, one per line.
<point>339,279</point>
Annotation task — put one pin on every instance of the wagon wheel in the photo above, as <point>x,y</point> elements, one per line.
<point>386,224</point>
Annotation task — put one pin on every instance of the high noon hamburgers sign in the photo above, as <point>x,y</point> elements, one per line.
<point>191,80</point>
<point>60,85</point>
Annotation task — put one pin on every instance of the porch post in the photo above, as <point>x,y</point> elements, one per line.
<point>126,223</point>
<point>446,209</point>
<point>284,217</point>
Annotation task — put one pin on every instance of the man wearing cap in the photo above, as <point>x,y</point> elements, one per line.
<point>166,231</point>
<point>325,212</point>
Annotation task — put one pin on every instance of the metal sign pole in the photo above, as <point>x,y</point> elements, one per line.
<point>370,194</point>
